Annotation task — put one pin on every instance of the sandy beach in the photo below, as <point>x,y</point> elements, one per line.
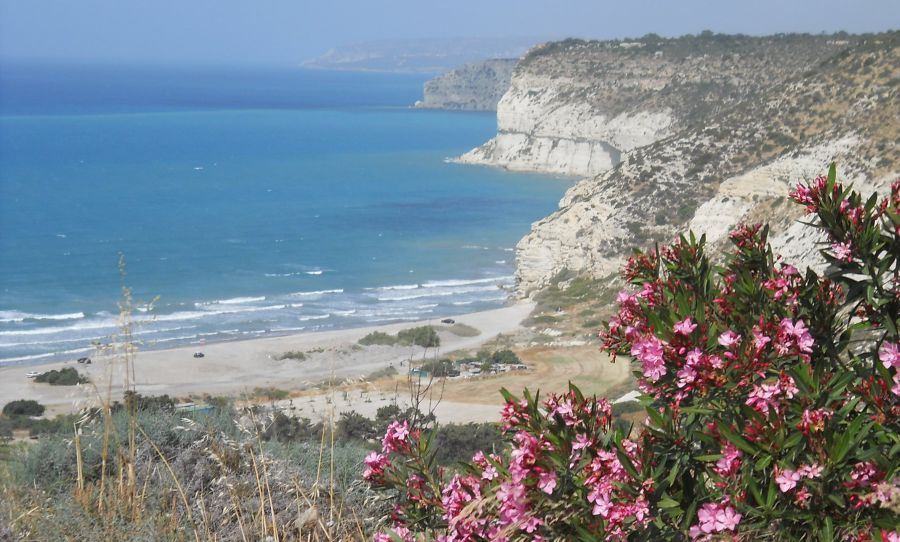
<point>234,368</point>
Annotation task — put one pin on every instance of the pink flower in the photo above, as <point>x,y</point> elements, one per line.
<point>729,339</point>
<point>547,482</point>
<point>843,251</point>
<point>760,340</point>
<point>810,471</point>
<point>395,437</point>
<point>787,479</point>
<point>798,333</point>
<point>649,351</point>
<point>714,518</point>
<point>581,441</point>
<point>685,327</point>
<point>890,355</point>
<point>375,464</point>
<point>730,462</point>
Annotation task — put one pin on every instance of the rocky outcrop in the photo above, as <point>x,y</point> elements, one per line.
<point>473,87</point>
<point>575,107</point>
<point>731,163</point>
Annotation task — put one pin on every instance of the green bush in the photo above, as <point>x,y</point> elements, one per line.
<point>62,377</point>
<point>291,354</point>
<point>504,357</point>
<point>424,336</point>
<point>24,407</point>
<point>378,338</point>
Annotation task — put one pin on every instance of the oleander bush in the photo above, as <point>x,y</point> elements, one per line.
<point>771,401</point>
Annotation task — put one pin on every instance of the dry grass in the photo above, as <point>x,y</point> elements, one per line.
<point>550,370</point>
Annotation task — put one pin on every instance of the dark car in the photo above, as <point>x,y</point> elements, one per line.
<point>198,354</point>
<point>86,361</point>
<point>448,321</point>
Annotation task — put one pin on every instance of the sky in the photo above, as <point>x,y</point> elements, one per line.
<point>288,32</point>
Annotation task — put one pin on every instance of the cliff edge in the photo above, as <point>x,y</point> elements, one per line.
<point>706,141</point>
<point>574,107</point>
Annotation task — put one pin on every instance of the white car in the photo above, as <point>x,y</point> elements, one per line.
<point>32,374</point>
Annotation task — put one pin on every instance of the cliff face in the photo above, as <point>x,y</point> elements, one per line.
<point>575,107</point>
<point>473,87</point>
<point>713,163</point>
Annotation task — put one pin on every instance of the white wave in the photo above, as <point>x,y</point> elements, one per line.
<point>317,317</point>
<point>17,316</point>
<point>294,305</point>
<point>47,355</point>
<point>445,293</point>
<point>191,315</point>
<point>463,302</point>
<point>81,326</point>
<point>396,287</point>
<point>24,358</point>
<point>277,329</point>
<point>475,247</point>
<point>232,301</point>
<point>317,292</point>
<point>427,306</point>
<point>170,339</point>
<point>313,272</point>
<point>466,282</point>
<point>393,319</point>
<point>345,313</point>
<point>500,262</point>
<point>283,274</point>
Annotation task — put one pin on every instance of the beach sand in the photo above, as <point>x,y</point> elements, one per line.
<point>237,367</point>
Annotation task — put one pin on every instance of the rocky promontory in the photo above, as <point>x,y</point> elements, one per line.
<point>473,87</point>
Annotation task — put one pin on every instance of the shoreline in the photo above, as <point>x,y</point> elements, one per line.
<point>240,366</point>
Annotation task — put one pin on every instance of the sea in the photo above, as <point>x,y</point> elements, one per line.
<point>244,203</point>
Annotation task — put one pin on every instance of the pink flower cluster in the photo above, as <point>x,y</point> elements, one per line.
<point>769,395</point>
<point>730,462</point>
<point>811,195</point>
<point>889,354</point>
<point>501,497</point>
<point>793,338</point>
<point>649,351</point>
<point>788,479</point>
<point>606,480</point>
<point>396,439</point>
<point>714,518</point>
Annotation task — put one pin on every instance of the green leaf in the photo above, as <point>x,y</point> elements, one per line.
<point>771,495</point>
<point>667,502</point>
<point>827,532</point>
<point>737,440</point>
<point>754,490</point>
<point>762,463</point>
<point>710,457</point>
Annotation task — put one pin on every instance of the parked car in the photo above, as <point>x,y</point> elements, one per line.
<point>86,361</point>
<point>198,354</point>
<point>448,321</point>
<point>33,374</point>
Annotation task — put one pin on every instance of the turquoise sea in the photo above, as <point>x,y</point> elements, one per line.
<point>251,202</point>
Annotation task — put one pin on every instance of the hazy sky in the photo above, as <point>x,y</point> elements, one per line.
<point>287,32</point>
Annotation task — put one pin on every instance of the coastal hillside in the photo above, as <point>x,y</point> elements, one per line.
<point>425,55</point>
<point>574,107</point>
<point>705,154</point>
<point>473,87</point>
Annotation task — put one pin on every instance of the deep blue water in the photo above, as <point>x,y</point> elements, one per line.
<point>251,203</point>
